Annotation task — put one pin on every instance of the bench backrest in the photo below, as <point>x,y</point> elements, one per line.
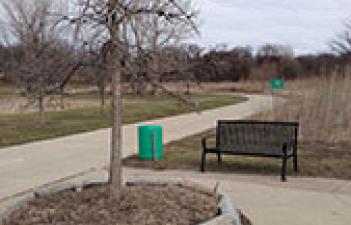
<point>256,136</point>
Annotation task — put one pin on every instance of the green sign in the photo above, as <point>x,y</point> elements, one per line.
<point>277,84</point>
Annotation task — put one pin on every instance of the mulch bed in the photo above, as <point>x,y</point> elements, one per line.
<point>139,205</point>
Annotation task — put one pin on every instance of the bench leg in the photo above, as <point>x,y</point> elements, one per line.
<point>284,163</point>
<point>283,172</point>
<point>219,158</point>
<point>203,161</point>
<point>296,168</point>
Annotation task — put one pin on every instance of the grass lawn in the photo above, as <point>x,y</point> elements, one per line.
<point>22,128</point>
<point>315,160</point>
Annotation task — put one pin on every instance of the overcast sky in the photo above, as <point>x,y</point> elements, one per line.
<point>306,25</point>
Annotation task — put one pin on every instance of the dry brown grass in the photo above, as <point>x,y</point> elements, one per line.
<point>16,104</point>
<point>321,105</point>
<point>220,87</point>
<point>323,108</point>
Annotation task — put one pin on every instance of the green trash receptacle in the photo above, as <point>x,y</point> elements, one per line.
<point>150,142</point>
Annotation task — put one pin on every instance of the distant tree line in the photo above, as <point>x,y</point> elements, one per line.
<point>191,63</point>
<point>163,58</point>
<point>242,63</point>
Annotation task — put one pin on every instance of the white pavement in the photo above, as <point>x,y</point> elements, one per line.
<point>29,166</point>
<point>264,199</point>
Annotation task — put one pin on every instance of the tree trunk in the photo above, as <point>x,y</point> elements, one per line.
<point>187,91</point>
<point>140,87</point>
<point>102,97</point>
<point>62,98</point>
<point>155,65</point>
<point>115,176</point>
<point>41,109</point>
<point>154,90</point>
<point>115,173</point>
<point>133,85</point>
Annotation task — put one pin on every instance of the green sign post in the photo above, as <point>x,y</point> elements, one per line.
<point>277,84</point>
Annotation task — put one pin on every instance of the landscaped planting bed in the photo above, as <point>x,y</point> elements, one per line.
<point>139,205</point>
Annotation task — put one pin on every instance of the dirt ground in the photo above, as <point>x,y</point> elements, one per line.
<point>171,205</point>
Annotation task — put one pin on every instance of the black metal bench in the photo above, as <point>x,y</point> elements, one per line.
<point>255,138</point>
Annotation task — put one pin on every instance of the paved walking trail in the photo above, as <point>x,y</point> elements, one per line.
<point>266,200</point>
<point>32,165</point>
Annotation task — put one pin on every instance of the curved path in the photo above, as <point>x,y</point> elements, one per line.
<point>29,166</point>
<point>266,200</point>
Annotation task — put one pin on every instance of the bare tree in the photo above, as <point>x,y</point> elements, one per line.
<point>270,59</point>
<point>155,33</point>
<point>342,42</point>
<point>176,63</point>
<point>94,68</point>
<point>113,17</point>
<point>341,45</point>
<point>2,61</point>
<point>42,57</point>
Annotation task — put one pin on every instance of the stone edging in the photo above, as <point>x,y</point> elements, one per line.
<point>229,214</point>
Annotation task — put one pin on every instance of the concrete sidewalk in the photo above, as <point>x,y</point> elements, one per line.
<point>267,201</point>
<point>264,199</point>
<point>29,166</point>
